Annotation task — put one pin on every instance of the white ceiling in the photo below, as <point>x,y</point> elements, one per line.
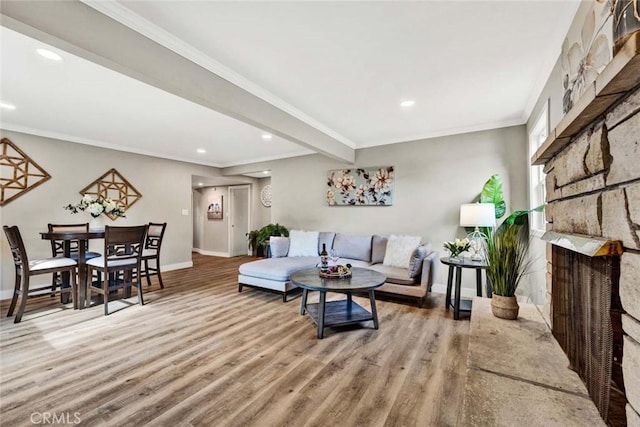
<point>343,67</point>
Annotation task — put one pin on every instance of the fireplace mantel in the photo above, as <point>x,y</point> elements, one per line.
<point>585,245</point>
<point>617,79</point>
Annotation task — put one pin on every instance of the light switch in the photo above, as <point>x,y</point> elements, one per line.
<point>185,212</point>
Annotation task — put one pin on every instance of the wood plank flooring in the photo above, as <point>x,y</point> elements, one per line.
<point>199,353</point>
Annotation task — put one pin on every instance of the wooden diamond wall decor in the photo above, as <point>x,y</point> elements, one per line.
<point>18,172</point>
<point>114,186</point>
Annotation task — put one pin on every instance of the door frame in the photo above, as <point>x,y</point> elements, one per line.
<point>231,188</point>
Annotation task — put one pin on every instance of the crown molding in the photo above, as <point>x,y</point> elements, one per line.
<point>142,26</point>
<point>94,143</point>
<point>447,132</point>
<point>127,149</point>
<point>265,159</point>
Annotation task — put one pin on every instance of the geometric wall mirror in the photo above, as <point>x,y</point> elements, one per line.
<point>114,186</point>
<point>18,172</point>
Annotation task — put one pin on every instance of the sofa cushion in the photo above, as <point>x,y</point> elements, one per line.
<point>279,246</point>
<point>378,248</point>
<point>277,269</point>
<point>303,243</point>
<point>399,249</point>
<point>396,275</point>
<point>353,246</point>
<point>325,237</point>
<point>417,256</point>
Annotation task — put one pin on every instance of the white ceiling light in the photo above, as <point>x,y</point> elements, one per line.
<point>7,106</point>
<point>49,54</point>
<point>265,172</point>
<point>266,137</point>
<point>201,150</point>
<point>407,103</point>
<point>200,184</point>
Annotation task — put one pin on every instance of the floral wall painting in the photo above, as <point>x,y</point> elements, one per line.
<point>586,50</point>
<point>18,172</point>
<point>360,187</point>
<point>214,211</point>
<point>112,186</point>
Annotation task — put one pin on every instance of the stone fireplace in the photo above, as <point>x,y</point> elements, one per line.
<point>592,161</point>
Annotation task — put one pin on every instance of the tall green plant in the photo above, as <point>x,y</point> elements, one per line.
<point>508,253</point>
<point>492,193</point>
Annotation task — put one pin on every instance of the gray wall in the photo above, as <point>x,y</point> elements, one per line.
<point>165,186</point>
<point>432,178</point>
<point>535,284</point>
<point>262,214</point>
<point>213,234</point>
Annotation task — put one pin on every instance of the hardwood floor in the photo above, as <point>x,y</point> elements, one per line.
<point>200,353</point>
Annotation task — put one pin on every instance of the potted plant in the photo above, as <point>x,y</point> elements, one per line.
<point>508,262</point>
<point>252,240</point>
<point>265,233</point>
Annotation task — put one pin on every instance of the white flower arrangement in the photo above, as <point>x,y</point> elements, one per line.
<point>97,207</point>
<point>457,246</point>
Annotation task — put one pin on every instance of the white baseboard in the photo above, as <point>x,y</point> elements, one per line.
<point>177,266</point>
<point>468,293</point>
<point>211,253</point>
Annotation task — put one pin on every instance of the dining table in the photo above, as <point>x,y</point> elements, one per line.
<point>82,237</point>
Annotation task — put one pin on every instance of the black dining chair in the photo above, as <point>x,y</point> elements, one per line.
<point>151,252</point>
<point>24,269</point>
<point>57,248</point>
<point>120,264</point>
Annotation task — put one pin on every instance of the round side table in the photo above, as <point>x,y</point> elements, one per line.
<point>457,265</point>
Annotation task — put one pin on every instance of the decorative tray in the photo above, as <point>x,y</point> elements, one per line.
<point>337,272</point>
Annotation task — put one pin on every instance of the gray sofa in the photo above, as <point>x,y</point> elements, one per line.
<point>367,251</point>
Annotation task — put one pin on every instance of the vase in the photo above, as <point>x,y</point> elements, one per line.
<point>505,307</point>
<point>97,223</point>
<point>625,22</point>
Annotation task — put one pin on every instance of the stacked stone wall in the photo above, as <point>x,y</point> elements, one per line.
<point>593,188</point>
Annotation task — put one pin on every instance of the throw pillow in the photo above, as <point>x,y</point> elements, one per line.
<point>353,246</point>
<point>415,262</point>
<point>378,248</point>
<point>303,243</point>
<point>279,246</point>
<point>399,249</point>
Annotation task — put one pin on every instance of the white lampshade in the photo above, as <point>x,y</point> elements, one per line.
<point>477,215</point>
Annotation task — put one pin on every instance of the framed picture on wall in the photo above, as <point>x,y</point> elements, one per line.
<point>215,209</point>
<point>360,187</point>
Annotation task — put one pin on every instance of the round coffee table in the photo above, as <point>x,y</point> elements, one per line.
<point>342,312</point>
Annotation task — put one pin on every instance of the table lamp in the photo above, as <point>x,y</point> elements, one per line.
<point>478,215</point>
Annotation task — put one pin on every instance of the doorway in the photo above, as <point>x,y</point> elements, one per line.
<point>239,214</point>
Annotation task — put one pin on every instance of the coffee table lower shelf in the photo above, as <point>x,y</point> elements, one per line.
<point>338,313</point>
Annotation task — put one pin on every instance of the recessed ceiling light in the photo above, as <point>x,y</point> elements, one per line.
<point>201,150</point>
<point>266,136</point>
<point>49,54</point>
<point>407,103</point>
<point>265,172</point>
<point>200,184</point>
<point>7,106</point>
